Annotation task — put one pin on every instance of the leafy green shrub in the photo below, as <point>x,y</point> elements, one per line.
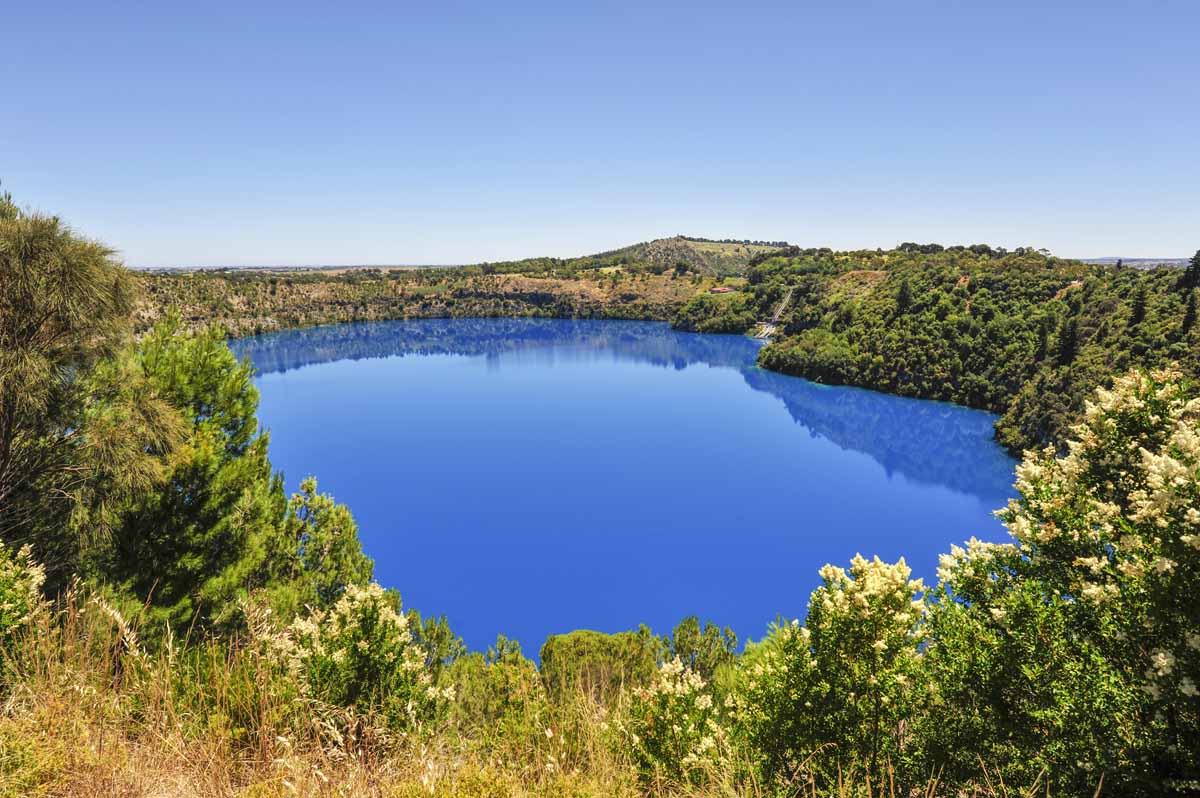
<point>360,654</point>
<point>599,664</point>
<point>842,691</point>
<point>499,696</point>
<point>817,354</point>
<point>20,595</point>
<point>677,728</point>
<point>703,648</point>
<point>316,553</point>
<point>1078,648</point>
<point>728,313</point>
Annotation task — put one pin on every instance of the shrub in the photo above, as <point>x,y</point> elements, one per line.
<point>20,595</point>
<point>361,655</point>
<point>598,664</point>
<point>677,728</point>
<point>499,697</point>
<point>842,691</point>
<point>1077,649</point>
<point>704,648</point>
<point>316,554</point>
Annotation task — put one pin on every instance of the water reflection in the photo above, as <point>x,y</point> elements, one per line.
<point>933,443</point>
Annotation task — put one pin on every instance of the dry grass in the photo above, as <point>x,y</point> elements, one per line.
<point>87,712</point>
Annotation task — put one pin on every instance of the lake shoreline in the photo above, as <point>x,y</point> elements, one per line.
<point>500,429</point>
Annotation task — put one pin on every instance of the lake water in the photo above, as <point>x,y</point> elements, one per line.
<point>534,476</point>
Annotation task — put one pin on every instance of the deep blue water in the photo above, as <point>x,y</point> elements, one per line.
<point>536,476</point>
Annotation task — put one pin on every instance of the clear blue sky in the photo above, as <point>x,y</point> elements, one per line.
<point>257,133</point>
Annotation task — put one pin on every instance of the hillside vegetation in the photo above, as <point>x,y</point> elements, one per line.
<point>246,302</point>
<point>651,281</point>
<point>1021,333</point>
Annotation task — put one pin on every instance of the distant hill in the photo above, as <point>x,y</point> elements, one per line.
<point>1140,263</point>
<point>699,255</point>
<point>706,255</point>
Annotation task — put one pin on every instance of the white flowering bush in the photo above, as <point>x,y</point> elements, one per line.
<point>361,654</point>
<point>1116,524</point>
<point>677,727</point>
<point>839,692</point>
<point>1076,649</point>
<point>1012,684</point>
<point>20,594</point>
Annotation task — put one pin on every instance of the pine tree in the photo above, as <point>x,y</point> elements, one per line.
<point>1191,275</point>
<point>1068,341</point>
<point>77,433</point>
<point>903,297</point>
<point>1138,312</point>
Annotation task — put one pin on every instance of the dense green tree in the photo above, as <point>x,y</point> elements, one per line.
<point>315,554</point>
<point>598,664</point>
<point>499,695</point>
<point>1068,341</point>
<point>434,637</point>
<point>903,297</point>
<point>1137,311</point>
<point>191,550</point>
<point>703,648</point>
<point>221,526</point>
<point>75,439</point>
<point>1191,274</point>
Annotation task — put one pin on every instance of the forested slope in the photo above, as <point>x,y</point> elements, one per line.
<point>1020,333</point>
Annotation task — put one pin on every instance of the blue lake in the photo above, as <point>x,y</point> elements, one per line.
<point>534,476</point>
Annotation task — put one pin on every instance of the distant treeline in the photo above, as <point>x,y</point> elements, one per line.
<point>743,241</point>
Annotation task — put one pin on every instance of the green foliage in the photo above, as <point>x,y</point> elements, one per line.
<point>702,648</point>
<point>315,554</point>
<point>361,654</point>
<point>843,690</point>
<point>189,553</point>
<point>439,644</point>
<point>677,729</point>
<point>21,582</point>
<point>74,440</point>
<point>194,548</point>
<point>1078,648</point>
<point>720,313</point>
<point>598,664</point>
<point>499,696</point>
<point>973,326</point>
<point>1191,274</point>
<point>1013,684</point>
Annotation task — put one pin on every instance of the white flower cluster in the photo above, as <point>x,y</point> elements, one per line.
<point>977,557</point>
<point>676,724</point>
<point>364,638</point>
<point>1116,522</point>
<point>870,583</point>
<point>21,580</point>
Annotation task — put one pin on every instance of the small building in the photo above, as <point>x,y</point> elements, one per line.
<point>720,289</point>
